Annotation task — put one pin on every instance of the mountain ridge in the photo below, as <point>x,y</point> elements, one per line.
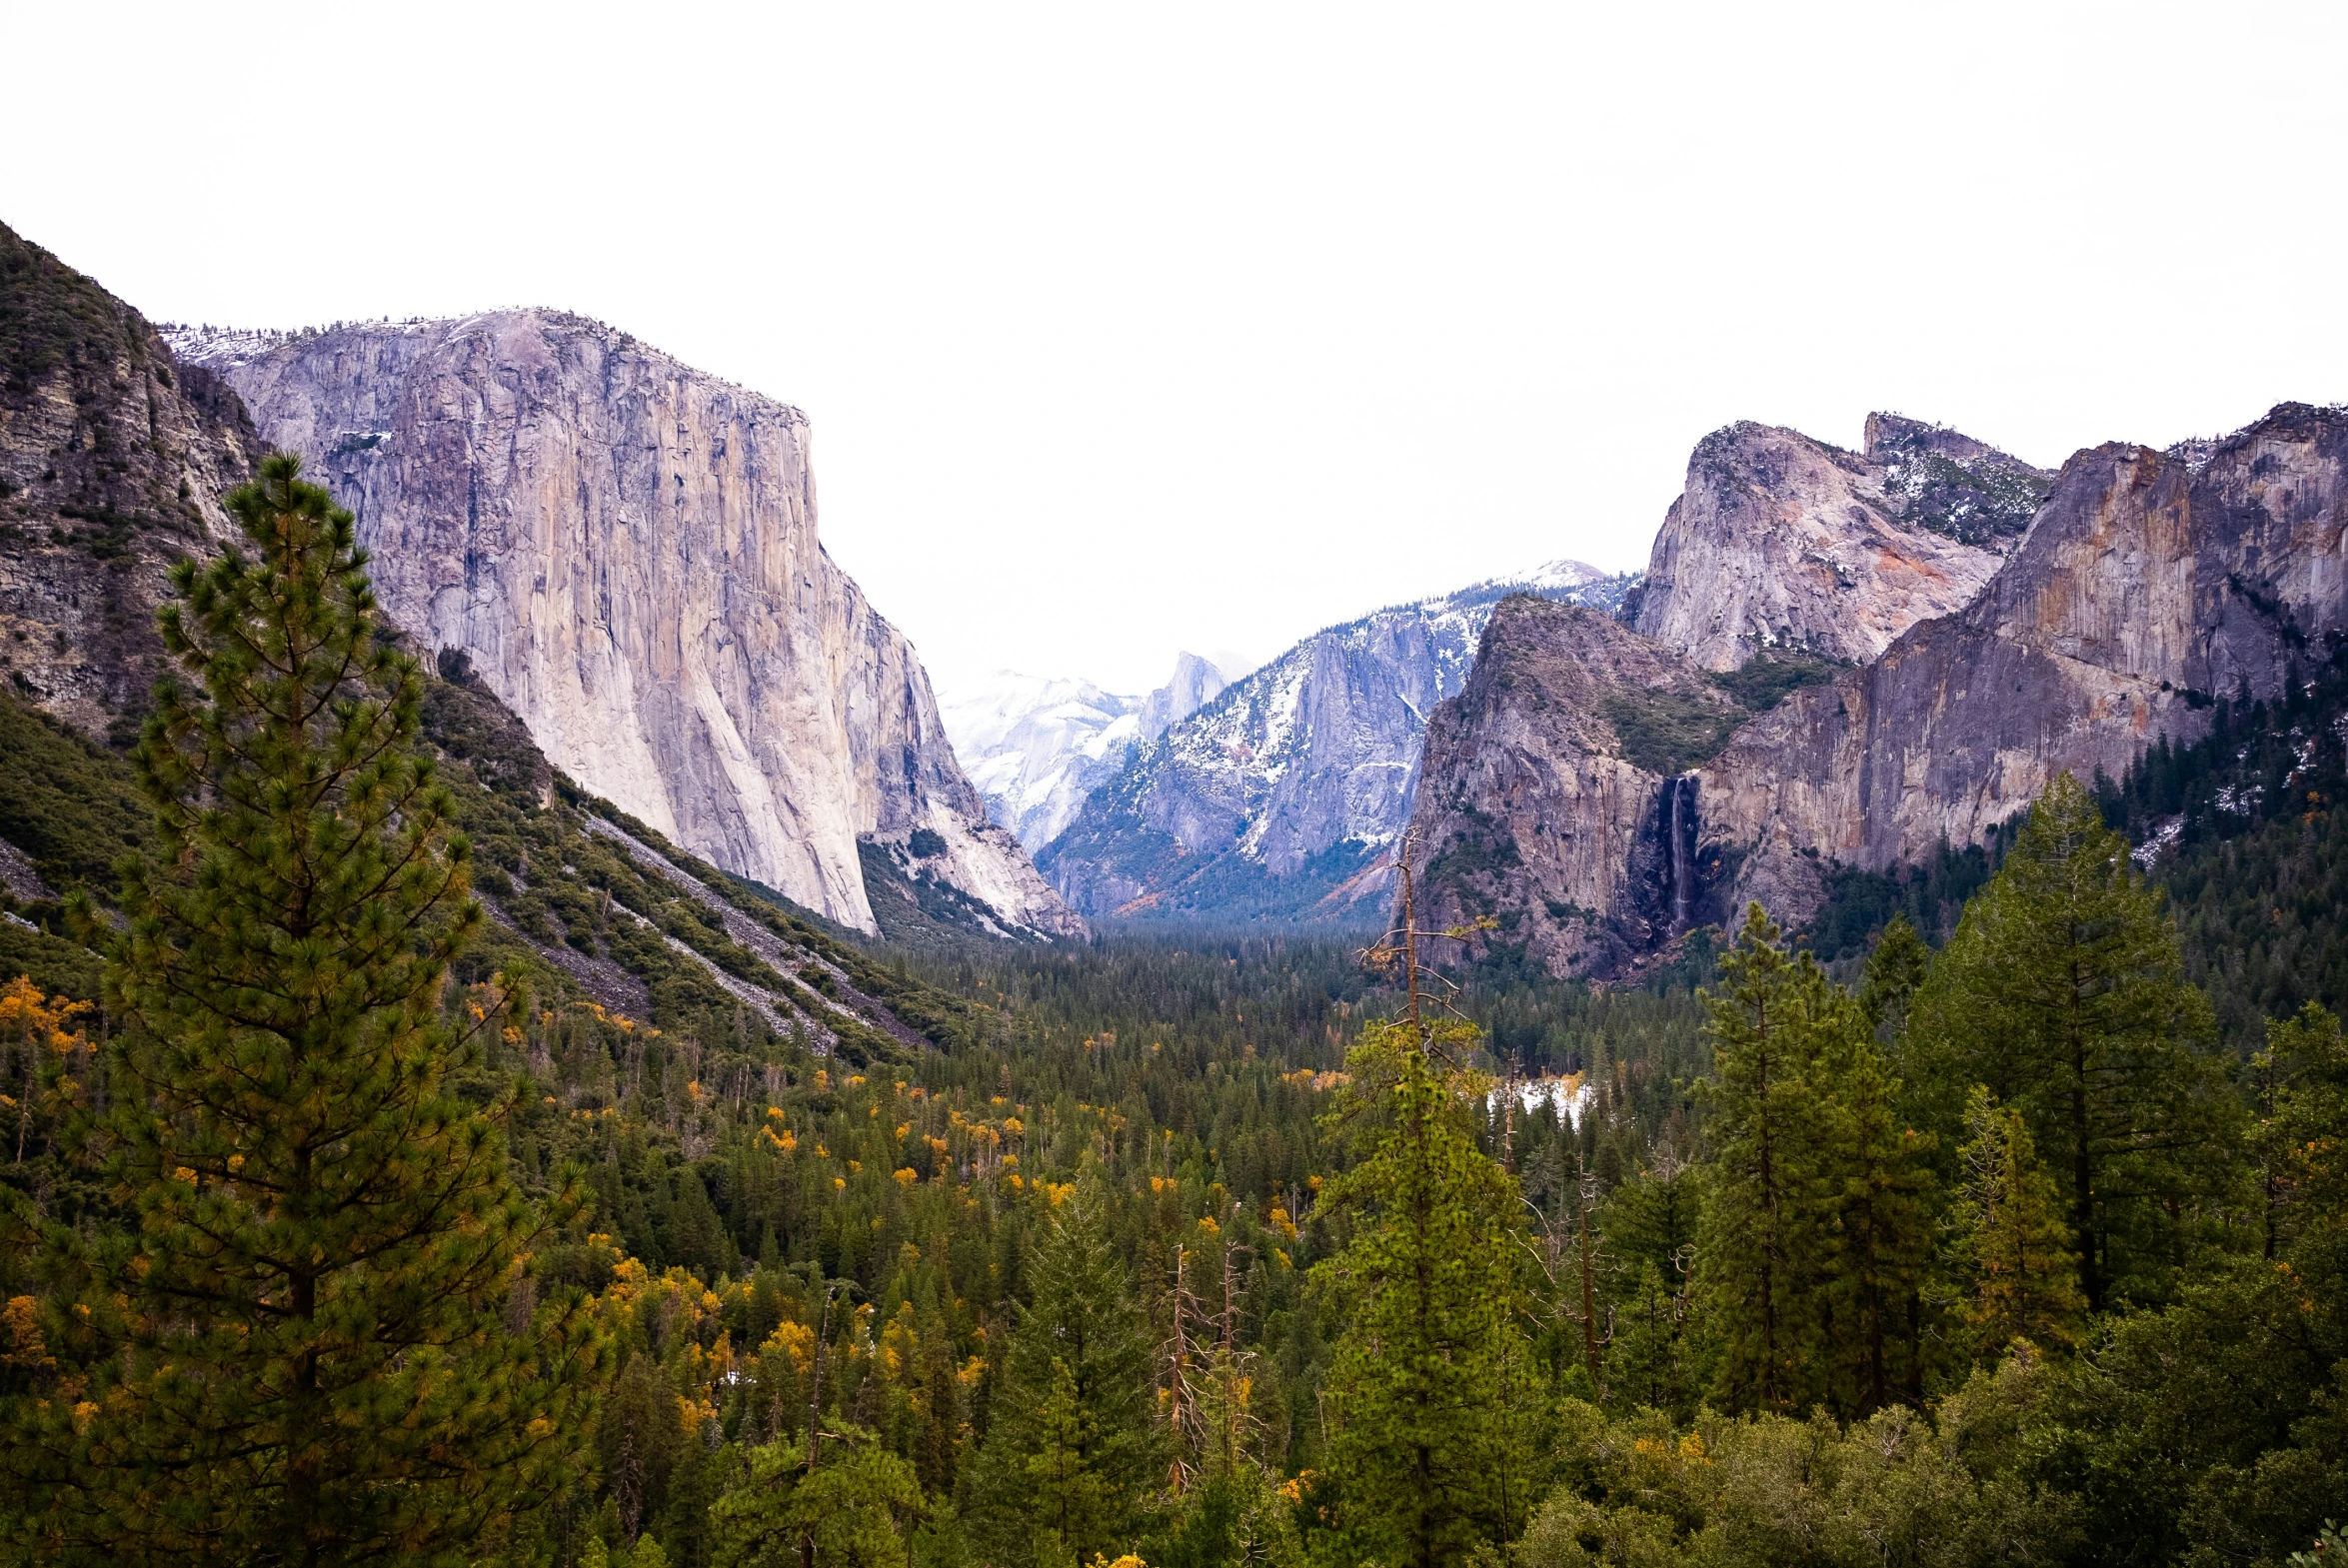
<point>1276,800</point>
<point>2145,584</point>
<point>626,550</point>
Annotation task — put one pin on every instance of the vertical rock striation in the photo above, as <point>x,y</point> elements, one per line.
<point>627,550</point>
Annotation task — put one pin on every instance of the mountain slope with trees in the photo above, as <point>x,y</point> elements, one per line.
<point>412,1156</point>
<point>1137,1140</point>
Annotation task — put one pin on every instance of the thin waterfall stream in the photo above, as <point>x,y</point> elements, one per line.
<point>1681,825</point>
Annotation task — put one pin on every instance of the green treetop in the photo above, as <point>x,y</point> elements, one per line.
<point>852,1511</point>
<point>1422,1457</point>
<point>307,1345</point>
<point>2063,991</point>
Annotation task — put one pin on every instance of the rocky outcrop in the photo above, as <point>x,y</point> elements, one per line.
<point>1279,798</point>
<point>2149,584</point>
<point>626,550</point>
<point>113,460</point>
<point>1035,747</point>
<point>1780,541</point>
<point>1195,682</point>
<point>1935,478</point>
<point>1543,800</point>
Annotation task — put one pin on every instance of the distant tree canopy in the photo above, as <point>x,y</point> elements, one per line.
<point>339,1219</point>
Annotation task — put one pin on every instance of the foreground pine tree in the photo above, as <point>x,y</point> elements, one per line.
<point>1063,1472</point>
<point>1880,1239</point>
<point>2011,1239</point>
<point>2063,991</point>
<point>1777,1026</point>
<point>306,1345</point>
<point>1427,1464</point>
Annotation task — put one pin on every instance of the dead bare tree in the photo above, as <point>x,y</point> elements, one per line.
<point>1396,950</point>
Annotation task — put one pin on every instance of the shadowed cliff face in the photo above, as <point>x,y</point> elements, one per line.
<point>1783,542</point>
<point>626,550</point>
<point>2148,585</point>
<point>1279,798</point>
<point>1549,795</point>
<point>113,460</point>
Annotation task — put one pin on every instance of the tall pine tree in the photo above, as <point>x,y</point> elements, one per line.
<point>304,1345</point>
<point>1765,1252</point>
<point>2010,1238</point>
<point>1062,1470</point>
<point>1879,1195</point>
<point>1421,1460</point>
<point>2063,992</point>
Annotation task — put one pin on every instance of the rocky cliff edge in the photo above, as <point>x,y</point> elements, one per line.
<point>625,548</point>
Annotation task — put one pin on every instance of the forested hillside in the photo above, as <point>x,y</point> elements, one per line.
<point>412,1159</point>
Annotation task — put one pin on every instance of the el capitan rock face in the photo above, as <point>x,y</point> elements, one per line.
<point>1783,542</point>
<point>2148,585</point>
<point>626,550</point>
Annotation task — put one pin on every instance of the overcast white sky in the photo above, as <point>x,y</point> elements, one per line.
<point>1125,330</point>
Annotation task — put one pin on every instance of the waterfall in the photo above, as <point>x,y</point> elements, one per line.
<point>1681,824</point>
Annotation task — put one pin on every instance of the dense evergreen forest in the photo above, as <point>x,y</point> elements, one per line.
<point>2001,1215</point>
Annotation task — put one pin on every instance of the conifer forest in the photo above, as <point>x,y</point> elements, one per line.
<point>1997,1215</point>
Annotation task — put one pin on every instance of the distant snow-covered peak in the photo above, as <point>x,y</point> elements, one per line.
<point>983,717</point>
<point>1281,790</point>
<point>1195,682</point>
<point>1561,579</point>
<point>1035,746</point>
<point>1564,572</point>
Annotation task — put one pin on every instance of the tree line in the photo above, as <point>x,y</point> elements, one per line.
<point>330,1241</point>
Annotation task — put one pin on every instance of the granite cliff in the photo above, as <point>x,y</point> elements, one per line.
<point>2149,584</point>
<point>2146,585</point>
<point>113,460</point>
<point>1277,799</point>
<point>1780,541</point>
<point>1195,682</point>
<point>626,551</point>
<point>1549,795</point>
